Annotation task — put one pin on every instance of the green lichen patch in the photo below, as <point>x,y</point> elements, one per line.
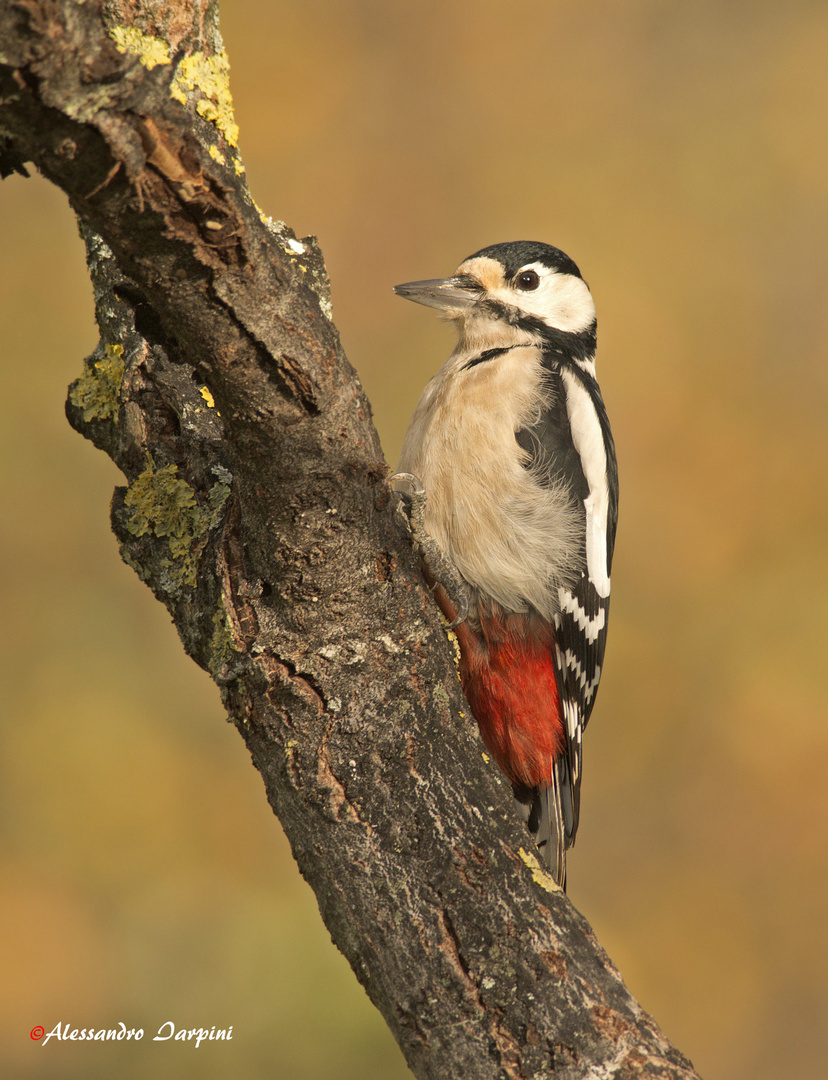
<point>162,504</point>
<point>97,393</point>
<point>222,646</point>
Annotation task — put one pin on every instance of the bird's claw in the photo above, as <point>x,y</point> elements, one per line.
<point>411,505</point>
<point>455,589</point>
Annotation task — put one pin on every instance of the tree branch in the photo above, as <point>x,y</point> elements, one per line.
<point>257,510</point>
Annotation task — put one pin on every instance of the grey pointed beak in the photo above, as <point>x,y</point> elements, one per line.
<point>453,296</point>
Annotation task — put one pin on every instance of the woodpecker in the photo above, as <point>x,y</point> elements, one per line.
<point>511,488</point>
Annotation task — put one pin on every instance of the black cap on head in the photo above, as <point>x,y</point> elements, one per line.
<point>518,253</point>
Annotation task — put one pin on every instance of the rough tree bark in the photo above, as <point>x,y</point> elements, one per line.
<point>257,510</point>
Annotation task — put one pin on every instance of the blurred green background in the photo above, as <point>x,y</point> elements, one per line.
<point>678,152</point>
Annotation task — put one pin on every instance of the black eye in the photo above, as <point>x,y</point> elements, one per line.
<point>527,280</point>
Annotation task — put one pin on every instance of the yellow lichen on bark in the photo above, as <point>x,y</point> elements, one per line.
<point>151,51</point>
<point>539,875</point>
<point>210,75</point>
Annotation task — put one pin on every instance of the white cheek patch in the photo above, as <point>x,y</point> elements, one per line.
<point>589,442</point>
<point>563,301</point>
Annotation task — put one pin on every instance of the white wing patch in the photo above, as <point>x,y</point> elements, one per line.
<point>589,442</point>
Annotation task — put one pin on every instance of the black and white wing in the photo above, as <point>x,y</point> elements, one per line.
<point>571,444</point>
<point>581,623</point>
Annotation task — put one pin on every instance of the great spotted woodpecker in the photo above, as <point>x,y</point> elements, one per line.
<point>512,490</point>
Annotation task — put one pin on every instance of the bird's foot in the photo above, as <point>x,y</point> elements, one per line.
<point>441,572</point>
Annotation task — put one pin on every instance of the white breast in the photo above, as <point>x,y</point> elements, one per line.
<point>508,536</point>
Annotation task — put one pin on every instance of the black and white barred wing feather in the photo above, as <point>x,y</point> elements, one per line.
<point>579,656</point>
<point>581,622</point>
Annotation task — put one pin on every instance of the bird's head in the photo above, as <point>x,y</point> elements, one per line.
<point>518,288</point>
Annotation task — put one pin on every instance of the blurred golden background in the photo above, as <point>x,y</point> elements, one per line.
<point>679,154</point>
